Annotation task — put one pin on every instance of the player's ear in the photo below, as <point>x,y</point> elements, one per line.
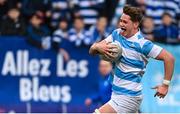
<point>136,24</point>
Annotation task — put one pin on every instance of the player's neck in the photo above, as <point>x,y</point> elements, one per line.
<point>133,33</point>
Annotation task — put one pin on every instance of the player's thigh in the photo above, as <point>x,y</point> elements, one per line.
<point>106,108</point>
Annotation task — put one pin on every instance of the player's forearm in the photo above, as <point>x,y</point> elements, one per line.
<point>168,60</point>
<point>93,49</point>
<point>169,66</point>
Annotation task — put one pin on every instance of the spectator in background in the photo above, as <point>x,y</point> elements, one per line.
<point>99,31</point>
<point>167,32</point>
<point>59,36</point>
<point>156,8</point>
<point>104,91</point>
<point>5,5</point>
<point>61,33</point>
<point>117,12</point>
<point>148,28</point>
<point>89,10</point>
<point>29,7</point>
<point>118,7</point>
<point>3,8</point>
<point>59,9</point>
<point>13,24</point>
<point>137,3</point>
<point>37,34</point>
<point>78,35</point>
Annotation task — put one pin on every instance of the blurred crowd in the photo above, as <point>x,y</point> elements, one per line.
<point>47,23</point>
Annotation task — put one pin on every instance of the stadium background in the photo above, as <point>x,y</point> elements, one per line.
<point>34,75</point>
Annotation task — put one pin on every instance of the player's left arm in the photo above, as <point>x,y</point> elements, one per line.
<point>154,51</point>
<point>168,60</point>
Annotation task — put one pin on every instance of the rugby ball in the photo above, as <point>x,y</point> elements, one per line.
<point>116,55</point>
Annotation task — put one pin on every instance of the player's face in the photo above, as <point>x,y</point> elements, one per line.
<point>126,25</point>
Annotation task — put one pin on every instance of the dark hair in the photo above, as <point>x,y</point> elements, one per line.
<point>63,19</point>
<point>166,14</point>
<point>78,17</point>
<point>134,12</point>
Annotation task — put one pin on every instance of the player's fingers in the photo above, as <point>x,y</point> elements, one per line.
<point>114,50</point>
<point>161,95</point>
<point>108,50</point>
<point>156,94</point>
<point>111,46</point>
<point>109,55</point>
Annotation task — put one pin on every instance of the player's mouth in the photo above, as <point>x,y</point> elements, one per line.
<point>123,29</point>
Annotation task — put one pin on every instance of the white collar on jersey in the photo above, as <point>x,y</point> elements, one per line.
<point>135,36</point>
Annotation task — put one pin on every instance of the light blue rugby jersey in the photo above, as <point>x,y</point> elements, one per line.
<point>128,71</point>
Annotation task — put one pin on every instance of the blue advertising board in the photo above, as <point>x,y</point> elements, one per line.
<point>36,80</point>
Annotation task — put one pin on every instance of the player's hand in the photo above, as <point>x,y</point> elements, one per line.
<point>88,102</point>
<point>106,48</point>
<point>161,91</point>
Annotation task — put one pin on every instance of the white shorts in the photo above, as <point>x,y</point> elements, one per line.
<point>125,104</point>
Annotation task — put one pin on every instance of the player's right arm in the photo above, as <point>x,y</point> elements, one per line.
<point>99,48</point>
<point>102,47</point>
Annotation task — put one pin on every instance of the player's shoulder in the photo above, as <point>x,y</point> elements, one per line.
<point>115,31</point>
<point>141,40</point>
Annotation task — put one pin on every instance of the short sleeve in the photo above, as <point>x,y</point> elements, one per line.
<point>151,50</point>
<point>155,51</point>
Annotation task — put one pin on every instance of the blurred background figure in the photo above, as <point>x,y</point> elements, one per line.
<point>117,11</point>
<point>29,7</point>
<point>3,8</point>
<point>104,91</point>
<point>60,35</point>
<point>168,31</point>
<point>78,34</point>
<point>37,33</point>
<point>100,30</point>
<point>156,8</point>
<point>89,10</point>
<point>60,9</point>
<point>12,23</point>
<point>5,5</point>
<point>147,28</point>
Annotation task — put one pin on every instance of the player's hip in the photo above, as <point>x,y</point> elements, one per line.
<point>124,103</point>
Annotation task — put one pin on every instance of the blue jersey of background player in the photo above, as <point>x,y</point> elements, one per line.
<point>104,86</point>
